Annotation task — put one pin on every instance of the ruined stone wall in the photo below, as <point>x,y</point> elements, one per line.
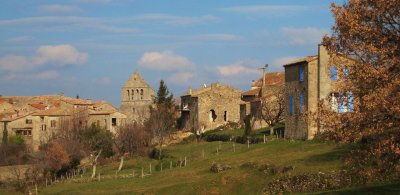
<point>222,102</point>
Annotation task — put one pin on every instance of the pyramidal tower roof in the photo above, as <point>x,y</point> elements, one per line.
<point>135,80</point>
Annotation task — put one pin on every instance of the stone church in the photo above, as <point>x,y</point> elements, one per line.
<point>136,98</point>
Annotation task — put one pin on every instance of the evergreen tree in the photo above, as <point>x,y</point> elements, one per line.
<point>164,96</point>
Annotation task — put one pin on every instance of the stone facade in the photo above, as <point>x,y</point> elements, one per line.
<point>260,89</point>
<point>136,98</point>
<point>307,81</point>
<point>40,118</point>
<point>210,107</point>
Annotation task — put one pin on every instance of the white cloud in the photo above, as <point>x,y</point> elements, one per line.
<point>176,20</point>
<point>277,64</point>
<point>215,37</point>
<point>46,75</point>
<point>303,36</point>
<point>20,39</point>
<point>58,55</point>
<point>59,9</point>
<point>16,63</point>
<point>104,81</point>
<point>238,68</point>
<point>181,78</point>
<point>69,23</point>
<point>165,60</point>
<point>265,9</point>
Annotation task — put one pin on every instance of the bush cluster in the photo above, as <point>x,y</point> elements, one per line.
<point>216,167</point>
<point>313,182</point>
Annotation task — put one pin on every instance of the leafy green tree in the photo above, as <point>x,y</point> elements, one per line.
<point>97,138</point>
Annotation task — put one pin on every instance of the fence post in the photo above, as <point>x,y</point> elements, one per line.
<point>185,161</point>
<point>142,173</point>
<point>150,168</point>
<point>170,164</point>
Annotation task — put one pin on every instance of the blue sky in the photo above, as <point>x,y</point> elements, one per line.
<point>91,47</point>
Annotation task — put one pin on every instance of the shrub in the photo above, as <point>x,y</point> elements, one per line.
<point>216,167</point>
<point>253,140</point>
<point>155,154</point>
<point>217,137</point>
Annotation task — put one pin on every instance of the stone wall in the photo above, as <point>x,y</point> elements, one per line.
<point>295,127</point>
<point>214,106</point>
<point>136,98</point>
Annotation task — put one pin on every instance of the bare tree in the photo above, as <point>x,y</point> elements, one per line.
<point>272,107</point>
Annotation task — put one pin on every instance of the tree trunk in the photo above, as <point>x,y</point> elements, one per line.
<point>5,134</point>
<point>121,164</point>
<point>94,163</point>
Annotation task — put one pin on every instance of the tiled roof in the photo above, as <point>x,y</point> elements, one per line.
<point>252,92</point>
<point>13,117</point>
<point>272,78</point>
<point>305,59</point>
<point>77,101</point>
<point>207,88</point>
<point>101,112</point>
<point>53,112</point>
<point>38,106</point>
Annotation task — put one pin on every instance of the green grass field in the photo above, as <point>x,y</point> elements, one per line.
<point>196,177</point>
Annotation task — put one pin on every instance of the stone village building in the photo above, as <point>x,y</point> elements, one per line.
<point>136,98</point>
<point>40,118</point>
<point>307,81</point>
<point>210,107</point>
<point>260,89</point>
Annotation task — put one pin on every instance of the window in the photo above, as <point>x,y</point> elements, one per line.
<point>350,104</point>
<point>133,94</point>
<point>213,116</point>
<point>342,105</point>
<point>129,95</point>
<point>44,127</point>
<point>345,72</point>
<point>42,119</point>
<point>53,123</point>
<point>28,121</point>
<point>114,121</point>
<point>137,94</point>
<point>141,94</point>
<point>290,104</point>
<point>301,102</point>
<point>225,116</point>
<point>24,132</point>
<point>334,75</point>
<point>301,73</point>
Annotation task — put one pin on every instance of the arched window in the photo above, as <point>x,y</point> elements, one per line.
<point>137,94</point>
<point>129,95</point>
<point>133,94</point>
<point>213,116</point>
<point>141,94</point>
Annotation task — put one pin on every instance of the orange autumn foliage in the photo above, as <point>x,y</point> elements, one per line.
<point>367,31</point>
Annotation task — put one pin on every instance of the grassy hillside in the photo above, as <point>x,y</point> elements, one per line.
<point>196,177</point>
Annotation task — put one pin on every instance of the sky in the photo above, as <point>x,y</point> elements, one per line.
<point>91,47</point>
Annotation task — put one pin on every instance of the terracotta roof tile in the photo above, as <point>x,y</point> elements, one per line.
<point>252,92</point>
<point>77,101</point>
<point>305,59</point>
<point>272,78</point>
<point>53,112</point>
<point>38,106</point>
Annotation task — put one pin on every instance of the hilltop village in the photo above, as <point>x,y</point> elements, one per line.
<point>304,82</point>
